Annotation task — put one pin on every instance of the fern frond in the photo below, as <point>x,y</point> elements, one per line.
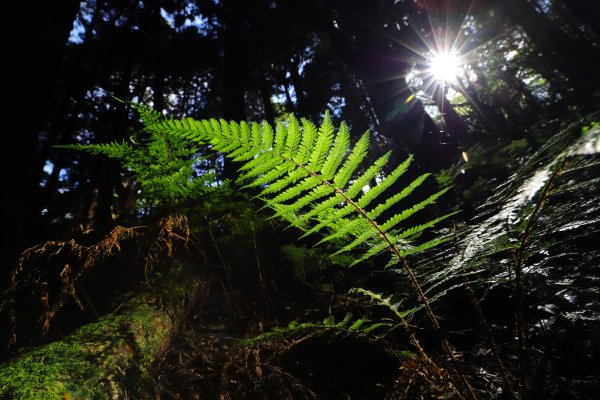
<point>308,175</point>
<point>387,302</point>
<point>328,327</point>
<point>148,115</point>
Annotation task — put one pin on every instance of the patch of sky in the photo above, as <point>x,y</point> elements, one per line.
<point>198,21</point>
<point>336,104</point>
<point>281,97</point>
<point>172,99</point>
<point>170,18</point>
<point>433,111</point>
<point>544,5</point>
<point>49,169</point>
<point>278,98</point>
<point>469,27</point>
<point>84,136</point>
<point>84,16</point>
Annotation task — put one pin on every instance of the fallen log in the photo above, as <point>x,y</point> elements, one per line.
<point>107,359</point>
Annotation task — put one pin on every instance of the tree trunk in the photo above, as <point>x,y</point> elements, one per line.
<point>573,58</point>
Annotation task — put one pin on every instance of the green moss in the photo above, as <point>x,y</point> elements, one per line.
<point>48,372</point>
<point>105,359</point>
<point>93,361</point>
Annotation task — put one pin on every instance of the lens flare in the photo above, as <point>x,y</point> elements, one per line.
<point>445,67</point>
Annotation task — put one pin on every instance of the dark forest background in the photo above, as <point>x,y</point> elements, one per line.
<point>531,69</point>
<point>256,60</point>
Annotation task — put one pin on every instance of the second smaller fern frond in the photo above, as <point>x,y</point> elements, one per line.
<point>327,327</point>
<point>387,302</point>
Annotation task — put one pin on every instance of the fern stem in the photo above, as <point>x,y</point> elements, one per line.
<point>434,321</point>
<point>411,275</point>
<point>486,328</point>
<point>415,342</point>
<point>521,317</point>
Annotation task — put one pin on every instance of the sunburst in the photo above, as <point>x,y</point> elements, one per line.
<point>444,55</point>
<point>445,49</point>
<point>445,66</point>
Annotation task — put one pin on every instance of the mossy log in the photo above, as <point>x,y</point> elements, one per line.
<point>107,359</point>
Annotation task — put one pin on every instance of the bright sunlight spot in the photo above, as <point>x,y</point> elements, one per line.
<point>445,66</point>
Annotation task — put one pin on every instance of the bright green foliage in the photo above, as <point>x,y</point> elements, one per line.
<point>387,302</point>
<point>162,165</point>
<point>329,326</point>
<point>310,177</point>
<point>98,361</point>
<point>589,127</point>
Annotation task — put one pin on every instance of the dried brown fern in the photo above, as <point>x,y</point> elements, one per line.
<point>68,263</point>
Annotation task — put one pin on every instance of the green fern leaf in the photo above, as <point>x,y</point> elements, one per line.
<point>337,153</point>
<point>396,219</point>
<point>309,177</point>
<point>389,180</point>
<point>358,154</point>
<point>306,175</point>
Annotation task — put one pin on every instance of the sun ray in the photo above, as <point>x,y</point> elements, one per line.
<point>461,29</point>
<point>434,33</point>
